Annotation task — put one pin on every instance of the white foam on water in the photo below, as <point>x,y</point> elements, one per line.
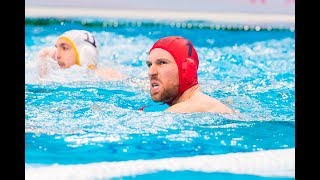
<point>268,163</point>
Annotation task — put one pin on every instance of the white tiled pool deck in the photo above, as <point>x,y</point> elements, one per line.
<point>249,12</point>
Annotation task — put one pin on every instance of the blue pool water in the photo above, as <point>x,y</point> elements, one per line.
<point>78,126</point>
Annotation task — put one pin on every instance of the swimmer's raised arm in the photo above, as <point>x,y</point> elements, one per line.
<point>45,58</point>
<point>47,52</point>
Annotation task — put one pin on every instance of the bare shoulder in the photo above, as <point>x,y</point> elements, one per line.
<point>195,104</point>
<point>201,102</point>
<point>180,108</point>
<point>109,74</point>
<point>211,104</point>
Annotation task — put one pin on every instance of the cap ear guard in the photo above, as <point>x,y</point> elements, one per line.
<point>88,55</point>
<point>188,65</point>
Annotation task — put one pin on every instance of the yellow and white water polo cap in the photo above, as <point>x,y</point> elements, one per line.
<point>85,46</point>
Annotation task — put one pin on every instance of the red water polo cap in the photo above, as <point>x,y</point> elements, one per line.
<point>186,58</point>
